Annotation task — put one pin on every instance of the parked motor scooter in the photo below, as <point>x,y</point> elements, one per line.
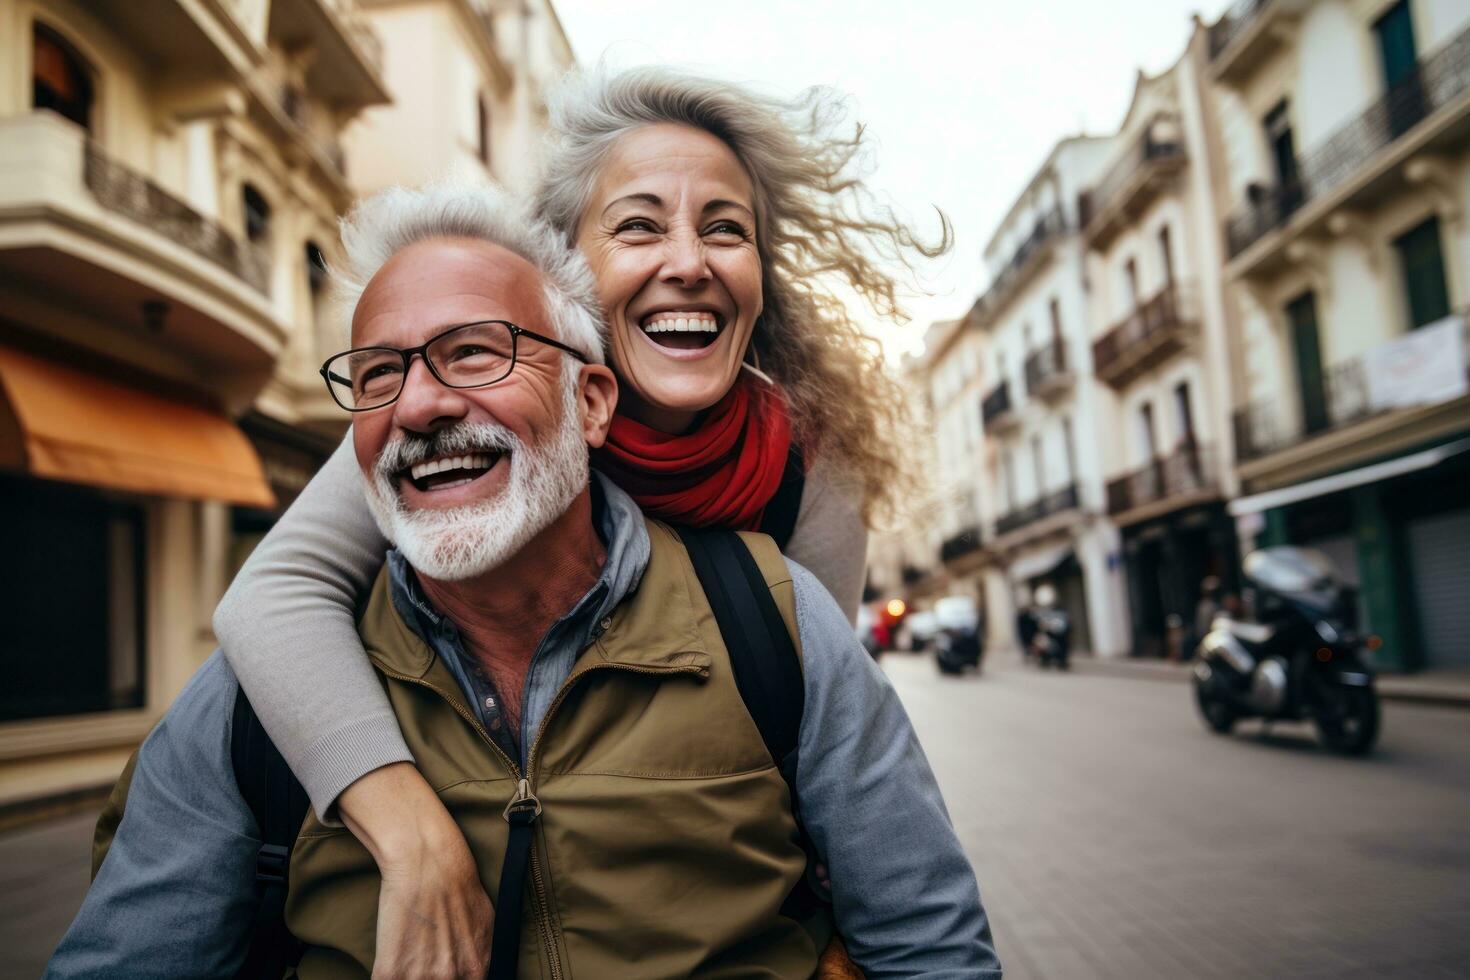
<point>1301,659</point>
<point>1049,629</point>
<point>957,644</point>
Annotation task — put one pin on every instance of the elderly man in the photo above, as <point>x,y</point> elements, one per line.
<point>661,841</point>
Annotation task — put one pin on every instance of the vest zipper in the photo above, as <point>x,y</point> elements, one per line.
<point>524,791</point>
<point>523,794</point>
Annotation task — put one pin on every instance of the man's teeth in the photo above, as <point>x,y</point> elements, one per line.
<point>699,323</point>
<point>479,461</point>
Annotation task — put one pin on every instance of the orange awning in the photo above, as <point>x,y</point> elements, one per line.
<point>64,423</point>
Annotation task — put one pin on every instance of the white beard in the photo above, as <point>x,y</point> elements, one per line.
<point>462,542</point>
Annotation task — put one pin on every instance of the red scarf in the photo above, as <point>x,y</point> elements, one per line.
<point>723,473</point>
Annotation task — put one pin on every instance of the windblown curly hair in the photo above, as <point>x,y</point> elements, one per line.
<point>817,226</point>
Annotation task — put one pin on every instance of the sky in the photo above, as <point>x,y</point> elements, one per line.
<point>963,98</point>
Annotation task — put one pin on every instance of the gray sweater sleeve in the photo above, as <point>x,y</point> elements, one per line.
<point>830,539</point>
<point>288,627</point>
<point>903,892</point>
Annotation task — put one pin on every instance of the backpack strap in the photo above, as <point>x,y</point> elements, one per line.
<point>279,804</point>
<point>766,666</point>
<point>778,519</point>
<point>762,655</point>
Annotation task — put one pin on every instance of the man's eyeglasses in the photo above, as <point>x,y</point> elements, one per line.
<point>471,355</point>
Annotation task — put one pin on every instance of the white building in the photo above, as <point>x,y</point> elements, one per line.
<point>1345,131</point>
<point>1042,488</point>
<point>1160,351</point>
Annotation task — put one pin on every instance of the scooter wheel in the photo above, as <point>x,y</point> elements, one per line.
<point>1347,720</point>
<point>1219,717</point>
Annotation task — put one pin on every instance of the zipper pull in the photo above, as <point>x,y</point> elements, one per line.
<point>523,808</point>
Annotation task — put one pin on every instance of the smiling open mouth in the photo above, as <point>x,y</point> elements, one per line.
<point>450,471</point>
<point>683,329</point>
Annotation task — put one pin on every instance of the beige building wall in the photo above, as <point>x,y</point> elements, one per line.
<point>125,255</point>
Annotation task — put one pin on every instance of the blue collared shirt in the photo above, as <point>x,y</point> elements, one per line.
<point>175,896</point>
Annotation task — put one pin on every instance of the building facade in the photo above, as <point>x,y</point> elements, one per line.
<point>174,173</point>
<point>1041,488</point>
<point>468,80</point>
<point>1159,350</point>
<point>1345,131</point>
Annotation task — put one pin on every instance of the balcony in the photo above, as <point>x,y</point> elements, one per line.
<point>1048,373</point>
<point>346,67</point>
<point>1401,384</point>
<point>79,226</point>
<point>1154,332</point>
<point>1043,507</point>
<point>960,544</point>
<point>1362,161</point>
<point>1028,257</point>
<point>1183,477</point>
<point>996,411</point>
<point>1134,182</point>
<point>316,127</point>
<point>1248,34</point>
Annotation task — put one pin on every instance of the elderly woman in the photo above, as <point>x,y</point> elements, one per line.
<point>715,221</point>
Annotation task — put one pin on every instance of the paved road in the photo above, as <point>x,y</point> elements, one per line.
<point>1114,837</point>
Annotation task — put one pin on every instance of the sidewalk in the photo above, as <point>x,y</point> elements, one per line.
<point>1447,688</point>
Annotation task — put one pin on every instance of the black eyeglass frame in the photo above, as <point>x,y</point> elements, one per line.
<point>422,350</point>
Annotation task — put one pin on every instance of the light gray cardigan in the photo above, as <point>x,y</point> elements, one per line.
<point>287,624</point>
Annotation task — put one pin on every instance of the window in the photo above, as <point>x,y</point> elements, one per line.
<point>73,608</point>
<point>1397,56</point>
<point>1185,413</point>
<point>1277,125</point>
<point>1056,320</point>
<point>1146,439</point>
<point>1166,251</point>
<point>1301,320</point>
<point>61,80</point>
<point>1130,282</point>
<point>482,129</point>
<point>316,269</point>
<point>1422,265</point>
<point>257,214</point>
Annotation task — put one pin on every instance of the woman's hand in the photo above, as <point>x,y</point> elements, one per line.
<point>434,918</point>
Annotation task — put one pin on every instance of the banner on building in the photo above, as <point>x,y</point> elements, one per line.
<point>1423,367</point>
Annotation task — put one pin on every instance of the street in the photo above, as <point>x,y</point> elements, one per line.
<point>1112,836</point>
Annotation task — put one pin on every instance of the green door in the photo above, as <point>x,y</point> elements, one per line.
<point>1422,265</point>
<point>1301,316</point>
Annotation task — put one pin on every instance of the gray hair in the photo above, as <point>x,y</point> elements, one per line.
<point>388,222</point>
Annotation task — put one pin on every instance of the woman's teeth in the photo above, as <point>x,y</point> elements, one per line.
<point>688,323</point>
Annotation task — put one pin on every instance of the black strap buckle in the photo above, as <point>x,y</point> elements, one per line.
<point>271,863</point>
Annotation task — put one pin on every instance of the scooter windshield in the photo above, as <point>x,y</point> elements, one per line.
<point>1304,573</point>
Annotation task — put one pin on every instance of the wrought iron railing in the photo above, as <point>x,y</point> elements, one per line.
<point>1159,141</point>
<point>1052,503</point>
<point>1166,312</point>
<point>997,403</point>
<point>1046,365</point>
<point>964,542</point>
<point>1048,227</point>
<point>1267,425</point>
<point>124,191</point>
<point>1434,83</point>
<point>1189,469</point>
<point>1233,23</point>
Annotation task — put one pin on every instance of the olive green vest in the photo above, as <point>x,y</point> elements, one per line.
<point>666,844</point>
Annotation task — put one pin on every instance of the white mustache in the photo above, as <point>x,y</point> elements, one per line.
<point>460,439</point>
